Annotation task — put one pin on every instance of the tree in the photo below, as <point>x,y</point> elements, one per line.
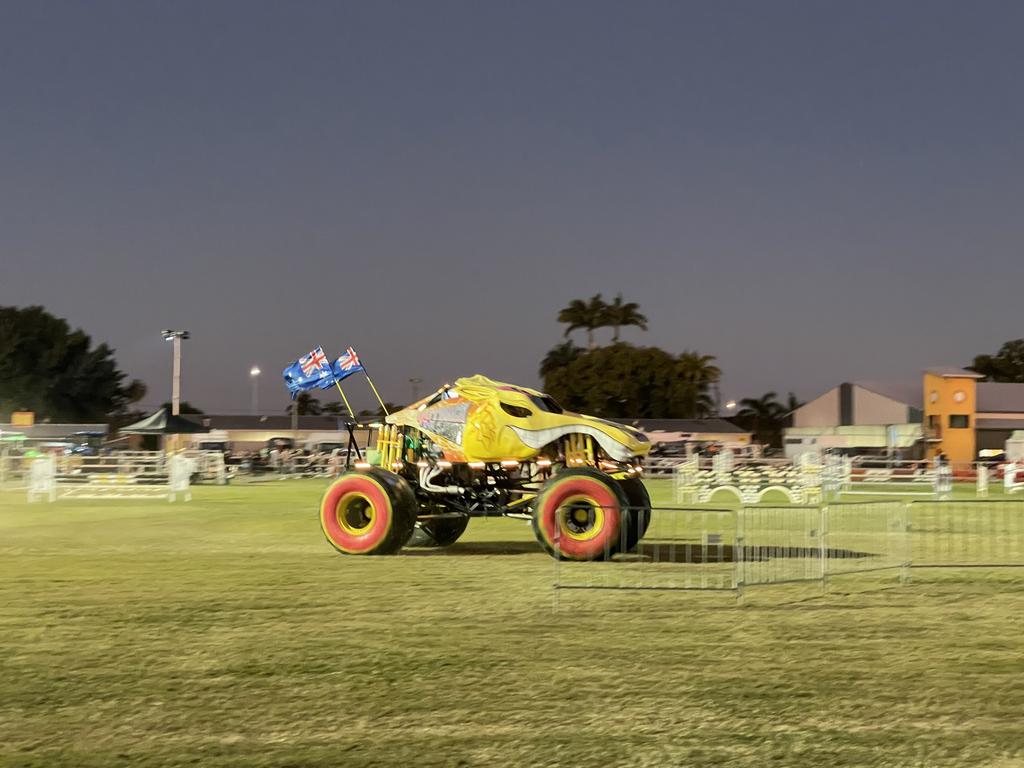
<point>696,375</point>
<point>1006,365</point>
<point>559,356</point>
<point>305,405</point>
<point>588,315</point>
<point>764,416</point>
<point>792,403</point>
<point>620,313</point>
<point>184,407</point>
<point>47,367</point>
<point>374,415</point>
<point>623,381</point>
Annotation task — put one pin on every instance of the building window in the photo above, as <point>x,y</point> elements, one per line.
<point>933,422</point>
<point>958,421</point>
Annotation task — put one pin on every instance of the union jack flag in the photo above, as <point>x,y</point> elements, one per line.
<point>314,361</point>
<point>347,364</point>
<point>349,360</point>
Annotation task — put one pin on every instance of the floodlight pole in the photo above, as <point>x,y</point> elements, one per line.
<point>176,378</point>
<point>176,337</point>
<point>254,375</point>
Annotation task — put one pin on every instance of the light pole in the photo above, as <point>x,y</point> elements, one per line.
<point>176,337</point>
<point>254,375</point>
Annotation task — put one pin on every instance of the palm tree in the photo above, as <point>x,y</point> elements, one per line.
<point>559,356</point>
<point>589,315</point>
<point>305,405</point>
<point>763,416</point>
<point>696,375</point>
<point>693,366</point>
<point>620,313</point>
<point>789,408</point>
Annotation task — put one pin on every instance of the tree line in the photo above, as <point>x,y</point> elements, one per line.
<point>57,371</point>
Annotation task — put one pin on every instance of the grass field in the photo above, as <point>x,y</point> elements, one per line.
<point>226,632</point>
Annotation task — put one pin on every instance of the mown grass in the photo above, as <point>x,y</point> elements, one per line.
<point>226,632</point>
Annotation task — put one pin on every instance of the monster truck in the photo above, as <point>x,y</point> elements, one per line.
<point>479,448</point>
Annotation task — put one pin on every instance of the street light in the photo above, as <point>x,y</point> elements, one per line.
<point>254,374</point>
<point>176,337</point>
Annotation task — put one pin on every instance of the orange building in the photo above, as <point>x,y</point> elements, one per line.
<point>949,410</point>
<point>963,415</point>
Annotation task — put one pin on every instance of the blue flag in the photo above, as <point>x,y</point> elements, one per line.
<point>310,371</point>
<point>346,365</point>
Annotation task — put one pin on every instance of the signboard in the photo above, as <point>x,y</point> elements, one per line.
<point>23,419</point>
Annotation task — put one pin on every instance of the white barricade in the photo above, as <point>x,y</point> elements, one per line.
<point>1013,477</point>
<point>106,477</point>
<point>981,490</point>
<point>749,483</point>
<point>13,472</point>
<point>42,479</point>
<point>207,466</point>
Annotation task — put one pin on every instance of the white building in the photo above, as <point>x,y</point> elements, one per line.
<point>861,416</point>
<point>251,433</point>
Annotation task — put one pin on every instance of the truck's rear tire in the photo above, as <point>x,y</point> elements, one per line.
<point>578,515</point>
<point>368,513</point>
<point>639,515</point>
<point>438,532</point>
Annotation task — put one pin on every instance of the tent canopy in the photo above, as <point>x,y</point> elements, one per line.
<point>162,422</point>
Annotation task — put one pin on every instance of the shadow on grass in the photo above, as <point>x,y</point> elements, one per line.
<point>476,548</point>
<point>687,552</point>
<point>658,552</point>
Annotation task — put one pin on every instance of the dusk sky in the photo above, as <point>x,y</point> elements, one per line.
<point>811,191</point>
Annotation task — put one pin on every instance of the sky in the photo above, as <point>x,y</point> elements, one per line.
<point>813,192</point>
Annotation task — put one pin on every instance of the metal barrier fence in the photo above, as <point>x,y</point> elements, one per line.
<point>958,534</point>
<point>683,549</point>
<point>732,549</point>
<point>781,544</point>
<point>868,536</point>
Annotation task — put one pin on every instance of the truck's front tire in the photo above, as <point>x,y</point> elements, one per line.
<point>578,515</point>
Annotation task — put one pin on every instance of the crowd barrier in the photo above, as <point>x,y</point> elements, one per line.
<point>693,548</point>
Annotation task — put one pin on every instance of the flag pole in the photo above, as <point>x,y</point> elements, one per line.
<point>345,400</point>
<point>382,406</point>
<point>375,392</point>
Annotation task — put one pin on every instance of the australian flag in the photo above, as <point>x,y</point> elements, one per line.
<point>310,371</point>
<point>346,365</point>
